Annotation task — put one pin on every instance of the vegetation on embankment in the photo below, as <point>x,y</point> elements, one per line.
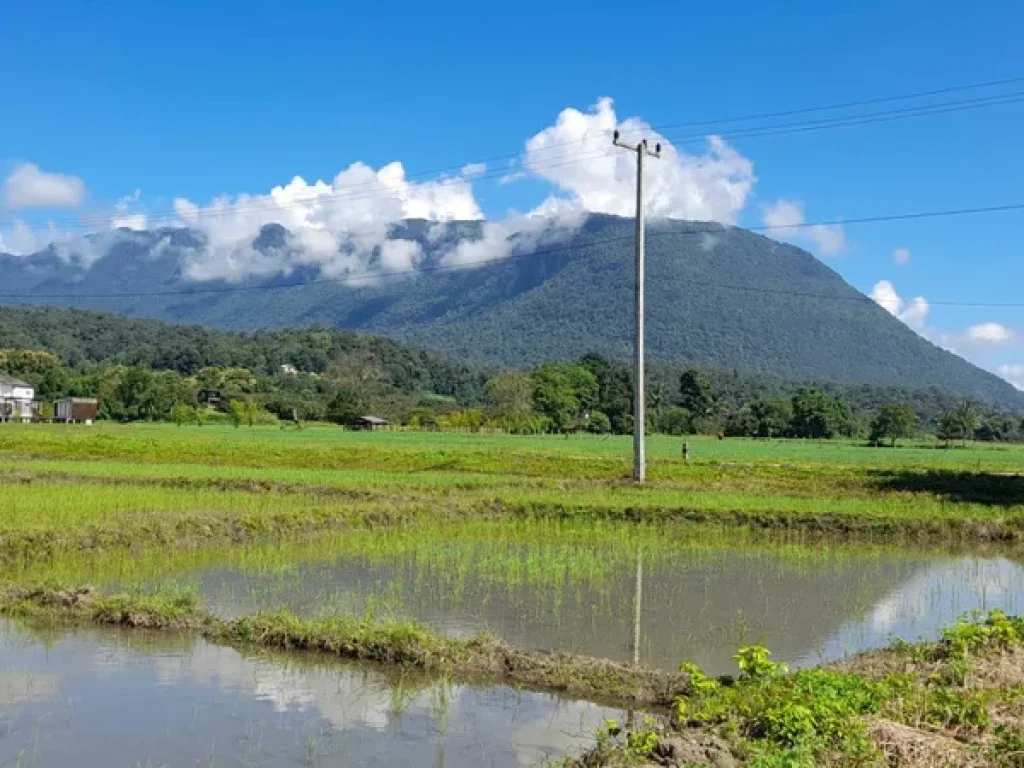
<point>406,644</point>
<point>955,702</point>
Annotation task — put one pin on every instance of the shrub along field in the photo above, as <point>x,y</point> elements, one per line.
<point>68,493</point>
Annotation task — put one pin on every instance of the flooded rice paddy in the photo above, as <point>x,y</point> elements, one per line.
<point>106,698</point>
<point>573,588</point>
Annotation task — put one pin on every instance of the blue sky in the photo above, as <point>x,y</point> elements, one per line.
<point>196,100</point>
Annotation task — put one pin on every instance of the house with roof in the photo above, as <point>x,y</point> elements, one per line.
<point>371,423</point>
<point>17,399</point>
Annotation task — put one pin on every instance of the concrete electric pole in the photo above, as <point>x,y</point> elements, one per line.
<point>639,410</point>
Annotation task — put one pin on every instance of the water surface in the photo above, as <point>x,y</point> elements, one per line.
<point>574,590</point>
<point>107,698</point>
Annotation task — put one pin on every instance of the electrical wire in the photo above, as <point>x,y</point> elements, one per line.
<point>350,193</point>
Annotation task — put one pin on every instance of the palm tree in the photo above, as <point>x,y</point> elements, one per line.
<point>967,417</point>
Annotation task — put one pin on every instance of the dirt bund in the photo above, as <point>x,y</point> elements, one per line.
<point>480,659</point>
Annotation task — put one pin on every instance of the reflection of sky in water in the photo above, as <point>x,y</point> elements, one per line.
<point>931,599</point>
<point>128,699</point>
<point>697,606</point>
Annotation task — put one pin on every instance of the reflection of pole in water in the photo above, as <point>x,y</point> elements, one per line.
<point>638,596</point>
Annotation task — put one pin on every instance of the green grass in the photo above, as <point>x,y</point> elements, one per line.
<point>329,448</point>
<point>78,488</point>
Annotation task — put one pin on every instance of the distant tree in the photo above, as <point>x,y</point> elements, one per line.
<point>236,412</point>
<point>252,412</point>
<point>697,393</point>
<point>510,400</point>
<point>967,416</point>
<point>997,428</point>
<point>741,423</point>
<point>948,429</point>
<point>238,381</point>
<point>892,422</point>
<point>470,420</point>
<point>675,421</point>
<point>183,414</point>
<point>773,416</point>
<point>422,417</point>
<point>563,392</point>
<point>210,377</point>
<point>615,391</point>
<point>346,406</point>
<point>818,415</point>
<point>46,410</point>
<point>599,423</point>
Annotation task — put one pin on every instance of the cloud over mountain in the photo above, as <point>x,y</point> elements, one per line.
<point>28,186</point>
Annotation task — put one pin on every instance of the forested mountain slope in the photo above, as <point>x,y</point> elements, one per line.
<point>718,296</point>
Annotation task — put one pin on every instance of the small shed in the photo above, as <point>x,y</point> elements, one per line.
<point>76,410</point>
<point>371,423</point>
<point>212,397</point>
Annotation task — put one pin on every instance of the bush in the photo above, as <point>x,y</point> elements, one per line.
<point>599,423</point>
<point>674,421</point>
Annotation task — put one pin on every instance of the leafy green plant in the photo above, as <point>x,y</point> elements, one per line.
<point>755,663</point>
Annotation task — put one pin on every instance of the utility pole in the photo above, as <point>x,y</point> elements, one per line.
<point>639,411</point>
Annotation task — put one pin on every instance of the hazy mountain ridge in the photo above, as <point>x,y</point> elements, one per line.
<point>721,296</point>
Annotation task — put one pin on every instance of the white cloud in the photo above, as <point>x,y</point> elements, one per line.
<point>1013,373</point>
<point>21,239</point>
<point>473,169</point>
<point>708,242</point>
<point>991,333</point>
<point>341,227</point>
<point>982,341</point>
<point>186,210</point>
<point>71,247</point>
<point>125,217</point>
<point>786,220</point>
<point>30,187</point>
<point>914,313</point>
<point>901,256</point>
<point>552,223</point>
<point>576,155</point>
<point>978,344</point>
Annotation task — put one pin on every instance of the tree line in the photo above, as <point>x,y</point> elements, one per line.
<point>593,394</point>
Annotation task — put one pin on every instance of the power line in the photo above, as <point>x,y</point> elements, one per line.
<point>846,104</point>
<point>350,193</point>
<point>710,228</point>
<point>875,117</point>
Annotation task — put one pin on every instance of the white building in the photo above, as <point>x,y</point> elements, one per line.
<point>17,399</point>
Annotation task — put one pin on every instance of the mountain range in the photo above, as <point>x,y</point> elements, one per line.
<point>721,296</point>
